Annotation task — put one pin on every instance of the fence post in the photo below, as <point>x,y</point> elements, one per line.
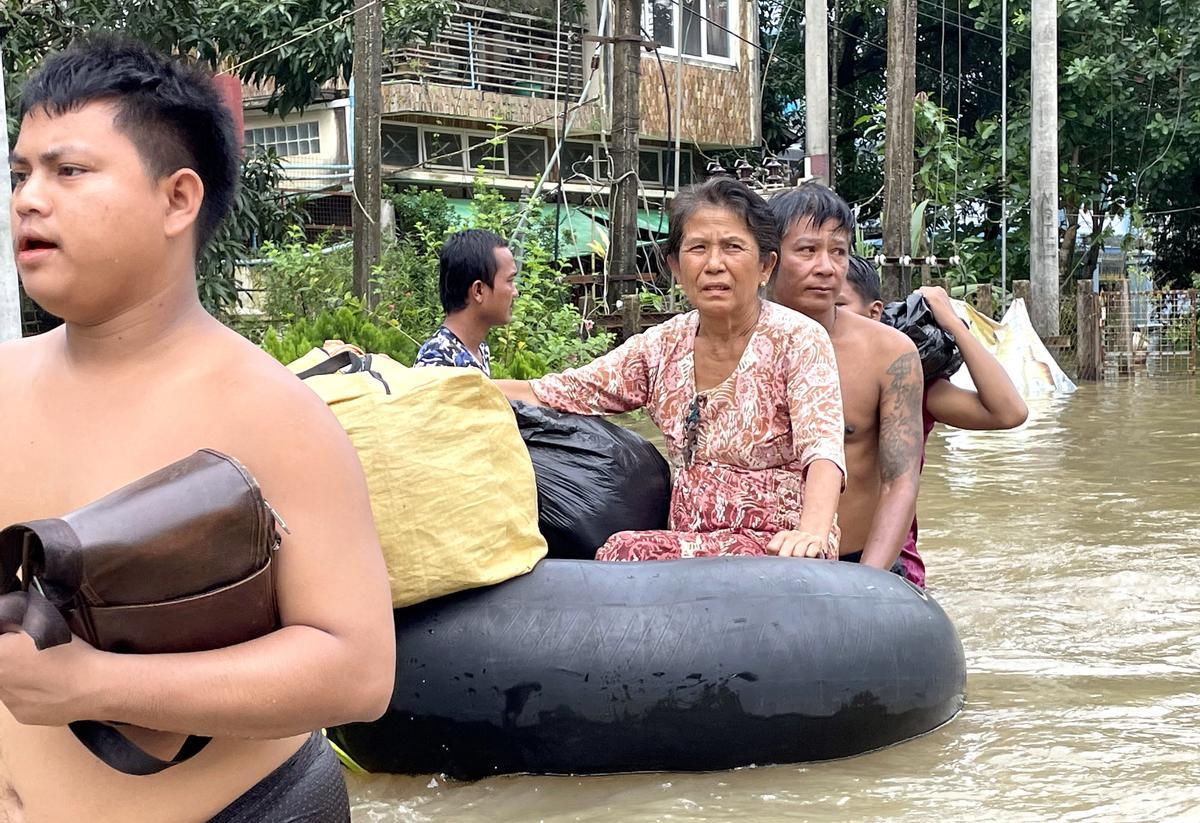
<point>1126,318</point>
<point>1087,333</point>
<point>1021,291</point>
<point>1195,330</point>
<point>983,300</point>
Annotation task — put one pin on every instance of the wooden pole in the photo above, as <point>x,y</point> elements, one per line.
<point>1088,348</point>
<point>626,116</point>
<point>816,88</point>
<point>1043,167</point>
<point>984,302</point>
<point>631,316</point>
<point>367,68</point>
<point>10,291</point>
<point>898,144</point>
<point>1021,291</point>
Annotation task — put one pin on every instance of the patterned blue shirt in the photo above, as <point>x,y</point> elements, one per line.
<point>445,349</point>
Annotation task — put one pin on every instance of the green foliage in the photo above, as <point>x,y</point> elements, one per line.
<point>260,214</point>
<point>317,33</point>
<point>306,291</point>
<point>1129,137</point>
<point>348,323</point>
<point>421,211</point>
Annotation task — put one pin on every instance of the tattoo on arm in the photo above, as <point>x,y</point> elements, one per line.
<point>900,432</point>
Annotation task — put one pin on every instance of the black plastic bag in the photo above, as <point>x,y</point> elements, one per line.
<point>594,479</point>
<point>939,352</point>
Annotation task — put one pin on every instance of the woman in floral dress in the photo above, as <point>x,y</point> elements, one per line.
<point>744,391</point>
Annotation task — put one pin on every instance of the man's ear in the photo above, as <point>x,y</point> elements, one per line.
<point>183,193</point>
<point>477,291</point>
<point>877,310</point>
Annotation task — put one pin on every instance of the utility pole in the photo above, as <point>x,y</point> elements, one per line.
<point>898,144</point>
<point>836,42</point>
<point>626,116</point>
<point>367,69</point>
<point>1043,168</point>
<point>1003,152</point>
<point>816,89</point>
<point>10,292</point>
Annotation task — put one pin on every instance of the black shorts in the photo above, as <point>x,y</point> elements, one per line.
<point>307,788</point>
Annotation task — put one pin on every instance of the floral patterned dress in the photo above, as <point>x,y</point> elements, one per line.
<point>739,450</point>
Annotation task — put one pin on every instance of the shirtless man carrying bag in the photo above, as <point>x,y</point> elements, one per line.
<point>125,166</point>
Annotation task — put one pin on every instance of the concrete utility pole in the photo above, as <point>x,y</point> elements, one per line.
<point>1043,168</point>
<point>898,144</point>
<point>626,116</point>
<point>10,293</point>
<point>367,68</point>
<point>816,88</point>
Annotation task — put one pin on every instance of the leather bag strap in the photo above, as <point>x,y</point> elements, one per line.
<point>120,753</point>
<point>30,612</point>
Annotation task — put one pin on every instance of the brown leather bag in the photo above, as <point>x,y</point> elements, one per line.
<point>178,561</point>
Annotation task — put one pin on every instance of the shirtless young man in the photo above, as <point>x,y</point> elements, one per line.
<point>996,403</point>
<point>124,167</point>
<point>880,376</point>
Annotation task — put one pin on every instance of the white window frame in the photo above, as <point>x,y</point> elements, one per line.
<point>420,137</point>
<point>443,164</point>
<point>473,137</point>
<point>314,137</point>
<point>599,161</point>
<point>673,50</point>
<point>466,139</point>
<point>507,149</point>
<point>667,162</point>
<point>658,156</point>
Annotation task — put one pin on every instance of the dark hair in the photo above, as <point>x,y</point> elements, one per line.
<point>466,256</point>
<point>811,201</point>
<point>732,195</point>
<point>169,110</point>
<point>863,276</point>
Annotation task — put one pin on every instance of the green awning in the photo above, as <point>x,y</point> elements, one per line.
<point>579,234</point>
<point>648,220</point>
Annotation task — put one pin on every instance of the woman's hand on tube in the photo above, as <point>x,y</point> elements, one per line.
<point>797,543</point>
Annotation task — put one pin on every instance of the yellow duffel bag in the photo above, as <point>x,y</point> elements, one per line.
<point>451,483</point>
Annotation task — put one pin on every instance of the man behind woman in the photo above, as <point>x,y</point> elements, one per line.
<point>744,391</point>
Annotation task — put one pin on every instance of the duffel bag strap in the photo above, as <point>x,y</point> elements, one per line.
<point>120,753</point>
<point>30,612</point>
<point>344,361</point>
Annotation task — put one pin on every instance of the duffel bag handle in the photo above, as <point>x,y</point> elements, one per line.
<point>345,361</point>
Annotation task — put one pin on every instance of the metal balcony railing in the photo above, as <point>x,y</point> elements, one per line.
<point>494,50</point>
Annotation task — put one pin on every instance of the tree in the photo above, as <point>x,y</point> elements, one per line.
<point>1129,109</point>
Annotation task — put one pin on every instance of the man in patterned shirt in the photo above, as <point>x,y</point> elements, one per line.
<point>477,286</point>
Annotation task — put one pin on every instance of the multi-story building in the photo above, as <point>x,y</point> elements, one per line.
<point>498,86</point>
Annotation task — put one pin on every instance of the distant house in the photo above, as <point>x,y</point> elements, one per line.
<point>490,91</point>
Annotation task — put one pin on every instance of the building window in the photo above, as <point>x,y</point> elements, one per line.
<point>526,156</point>
<point>484,151</point>
<point>649,167</point>
<point>401,145</point>
<point>698,28</point>
<point>685,167</point>
<point>573,161</point>
<point>662,22</point>
<point>287,140</point>
<point>716,37</point>
<point>444,149</point>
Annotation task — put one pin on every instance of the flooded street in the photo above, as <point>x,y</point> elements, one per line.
<point>1068,555</point>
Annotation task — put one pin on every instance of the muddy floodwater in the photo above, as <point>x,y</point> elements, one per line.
<point>1068,555</point>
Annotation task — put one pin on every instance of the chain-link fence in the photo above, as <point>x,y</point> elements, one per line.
<point>1152,332</point>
